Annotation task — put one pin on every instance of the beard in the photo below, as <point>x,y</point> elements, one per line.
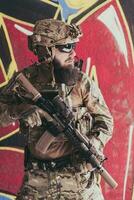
<point>68,74</point>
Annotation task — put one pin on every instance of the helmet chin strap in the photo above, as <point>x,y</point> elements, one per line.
<point>44,54</point>
<point>52,52</point>
<point>49,60</point>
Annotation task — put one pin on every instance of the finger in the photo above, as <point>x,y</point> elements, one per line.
<point>44,114</point>
<point>38,119</point>
<point>29,121</point>
<point>34,119</point>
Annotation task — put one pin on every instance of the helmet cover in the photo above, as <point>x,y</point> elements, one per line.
<point>51,32</point>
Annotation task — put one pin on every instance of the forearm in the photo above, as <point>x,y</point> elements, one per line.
<point>11,113</point>
<point>102,127</point>
<point>5,115</point>
<point>102,120</point>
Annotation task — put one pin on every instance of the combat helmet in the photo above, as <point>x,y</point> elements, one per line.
<point>50,32</point>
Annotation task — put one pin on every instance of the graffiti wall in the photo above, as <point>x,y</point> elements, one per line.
<point>108,57</point>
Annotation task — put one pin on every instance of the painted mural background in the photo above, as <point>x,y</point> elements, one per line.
<point>107,51</point>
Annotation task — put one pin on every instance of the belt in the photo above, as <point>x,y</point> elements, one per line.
<point>52,165</point>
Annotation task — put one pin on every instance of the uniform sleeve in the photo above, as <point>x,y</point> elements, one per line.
<point>5,117</point>
<point>102,121</point>
<point>12,107</point>
<point>7,102</point>
<point>10,113</point>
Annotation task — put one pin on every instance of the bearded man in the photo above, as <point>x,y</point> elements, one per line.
<point>54,169</point>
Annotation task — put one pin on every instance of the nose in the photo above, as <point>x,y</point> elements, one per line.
<point>73,53</point>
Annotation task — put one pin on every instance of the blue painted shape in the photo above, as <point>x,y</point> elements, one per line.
<point>66,10</point>
<point>4,198</point>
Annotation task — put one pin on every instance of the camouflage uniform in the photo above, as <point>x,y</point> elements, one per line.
<point>65,175</point>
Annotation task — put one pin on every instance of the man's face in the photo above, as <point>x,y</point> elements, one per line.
<point>63,61</point>
<point>64,56</point>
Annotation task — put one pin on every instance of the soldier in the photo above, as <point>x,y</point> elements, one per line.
<point>54,169</point>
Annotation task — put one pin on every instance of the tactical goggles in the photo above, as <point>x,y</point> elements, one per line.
<point>67,48</point>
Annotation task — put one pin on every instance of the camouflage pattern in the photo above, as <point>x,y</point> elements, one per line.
<point>96,122</point>
<point>51,32</point>
<point>93,120</point>
<point>70,183</point>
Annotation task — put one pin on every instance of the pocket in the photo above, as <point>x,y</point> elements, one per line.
<point>44,143</point>
<point>83,120</point>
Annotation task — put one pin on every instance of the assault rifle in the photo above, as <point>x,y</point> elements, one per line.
<point>60,119</point>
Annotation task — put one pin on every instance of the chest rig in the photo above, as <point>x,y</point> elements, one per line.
<point>73,99</point>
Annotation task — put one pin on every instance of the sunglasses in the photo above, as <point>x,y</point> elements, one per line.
<point>67,48</point>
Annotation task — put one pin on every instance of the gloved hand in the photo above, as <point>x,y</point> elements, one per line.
<point>97,148</point>
<point>34,118</point>
<point>31,115</point>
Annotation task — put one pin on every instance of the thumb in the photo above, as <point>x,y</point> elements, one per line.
<point>44,114</point>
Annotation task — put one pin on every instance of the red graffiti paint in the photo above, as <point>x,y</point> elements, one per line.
<point>11,170</point>
<point>107,43</point>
